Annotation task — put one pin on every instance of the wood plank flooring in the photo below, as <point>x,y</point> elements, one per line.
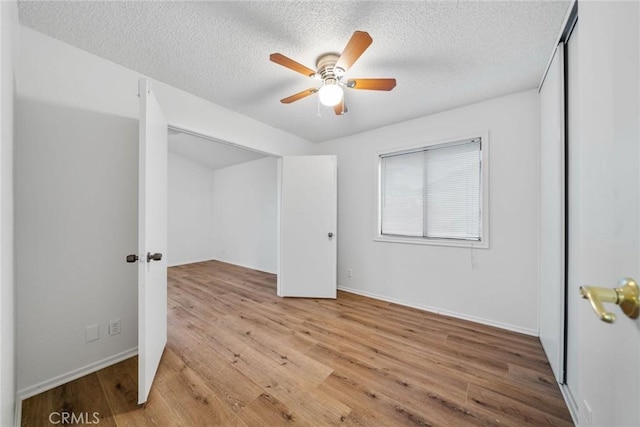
<point>237,355</point>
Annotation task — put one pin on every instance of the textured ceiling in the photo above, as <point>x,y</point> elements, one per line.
<point>211,154</point>
<point>443,54</point>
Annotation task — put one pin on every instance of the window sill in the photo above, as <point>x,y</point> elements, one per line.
<point>433,242</point>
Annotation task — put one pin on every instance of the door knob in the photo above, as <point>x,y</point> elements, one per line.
<point>626,295</point>
<point>132,258</point>
<point>153,257</point>
<point>330,235</point>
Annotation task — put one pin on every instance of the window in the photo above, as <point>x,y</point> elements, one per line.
<point>434,194</point>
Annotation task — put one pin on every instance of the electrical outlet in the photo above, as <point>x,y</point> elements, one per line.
<point>92,333</point>
<point>349,273</point>
<point>114,327</point>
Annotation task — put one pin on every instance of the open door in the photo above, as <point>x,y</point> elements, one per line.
<point>152,240</point>
<point>308,222</point>
<point>607,200</point>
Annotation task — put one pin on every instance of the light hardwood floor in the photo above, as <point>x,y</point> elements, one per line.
<point>238,355</point>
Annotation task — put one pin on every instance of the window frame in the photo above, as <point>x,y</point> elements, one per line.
<point>483,243</point>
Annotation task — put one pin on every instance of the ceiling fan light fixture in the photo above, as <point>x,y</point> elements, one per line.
<point>330,93</point>
<point>330,70</point>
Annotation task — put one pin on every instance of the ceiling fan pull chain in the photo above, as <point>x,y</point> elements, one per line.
<point>344,104</point>
<point>318,115</point>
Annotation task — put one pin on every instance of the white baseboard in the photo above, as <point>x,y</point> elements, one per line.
<point>17,416</point>
<point>194,261</point>
<point>250,267</point>
<point>480,320</point>
<point>570,401</point>
<point>28,392</point>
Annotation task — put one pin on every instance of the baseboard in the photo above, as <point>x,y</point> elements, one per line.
<point>246,266</point>
<point>570,401</point>
<point>195,261</point>
<point>475,319</point>
<point>17,416</point>
<point>75,374</point>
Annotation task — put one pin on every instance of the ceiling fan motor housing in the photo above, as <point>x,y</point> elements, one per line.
<point>327,70</point>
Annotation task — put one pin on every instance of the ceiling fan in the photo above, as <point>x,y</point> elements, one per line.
<point>330,70</point>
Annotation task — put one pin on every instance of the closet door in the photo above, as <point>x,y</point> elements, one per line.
<point>552,214</point>
<point>308,226</point>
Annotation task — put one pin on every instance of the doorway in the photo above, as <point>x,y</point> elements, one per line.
<point>222,202</point>
<point>276,214</point>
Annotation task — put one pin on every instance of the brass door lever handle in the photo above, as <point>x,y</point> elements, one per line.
<point>627,296</point>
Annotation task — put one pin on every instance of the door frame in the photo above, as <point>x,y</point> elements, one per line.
<point>182,129</point>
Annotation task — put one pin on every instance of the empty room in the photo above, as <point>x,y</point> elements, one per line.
<point>375,213</point>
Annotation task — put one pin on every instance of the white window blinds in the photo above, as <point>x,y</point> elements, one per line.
<point>403,195</point>
<point>434,192</point>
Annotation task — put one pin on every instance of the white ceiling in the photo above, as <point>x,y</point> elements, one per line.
<point>443,54</point>
<point>211,154</point>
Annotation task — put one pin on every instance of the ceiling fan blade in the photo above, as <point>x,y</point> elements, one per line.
<point>340,108</point>
<point>279,58</point>
<point>358,43</point>
<point>372,84</point>
<point>299,95</point>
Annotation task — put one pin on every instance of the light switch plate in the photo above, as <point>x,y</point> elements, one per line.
<point>92,333</point>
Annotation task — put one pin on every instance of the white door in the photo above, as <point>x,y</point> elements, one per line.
<point>552,214</point>
<point>608,200</point>
<point>308,222</point>
<point>152,240</point>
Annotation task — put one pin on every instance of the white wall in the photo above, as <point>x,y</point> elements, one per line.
<point>53,71</point>
<point>8,40</point>
<point>76,175</point>
<point>76,220</point>
<point>228,214</point>
<point>497,286</point>
<point>190,213</point>
<point>245,214</point>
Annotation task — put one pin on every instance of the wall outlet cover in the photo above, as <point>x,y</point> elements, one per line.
<point>92,333</point>
<point>114,326</point>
